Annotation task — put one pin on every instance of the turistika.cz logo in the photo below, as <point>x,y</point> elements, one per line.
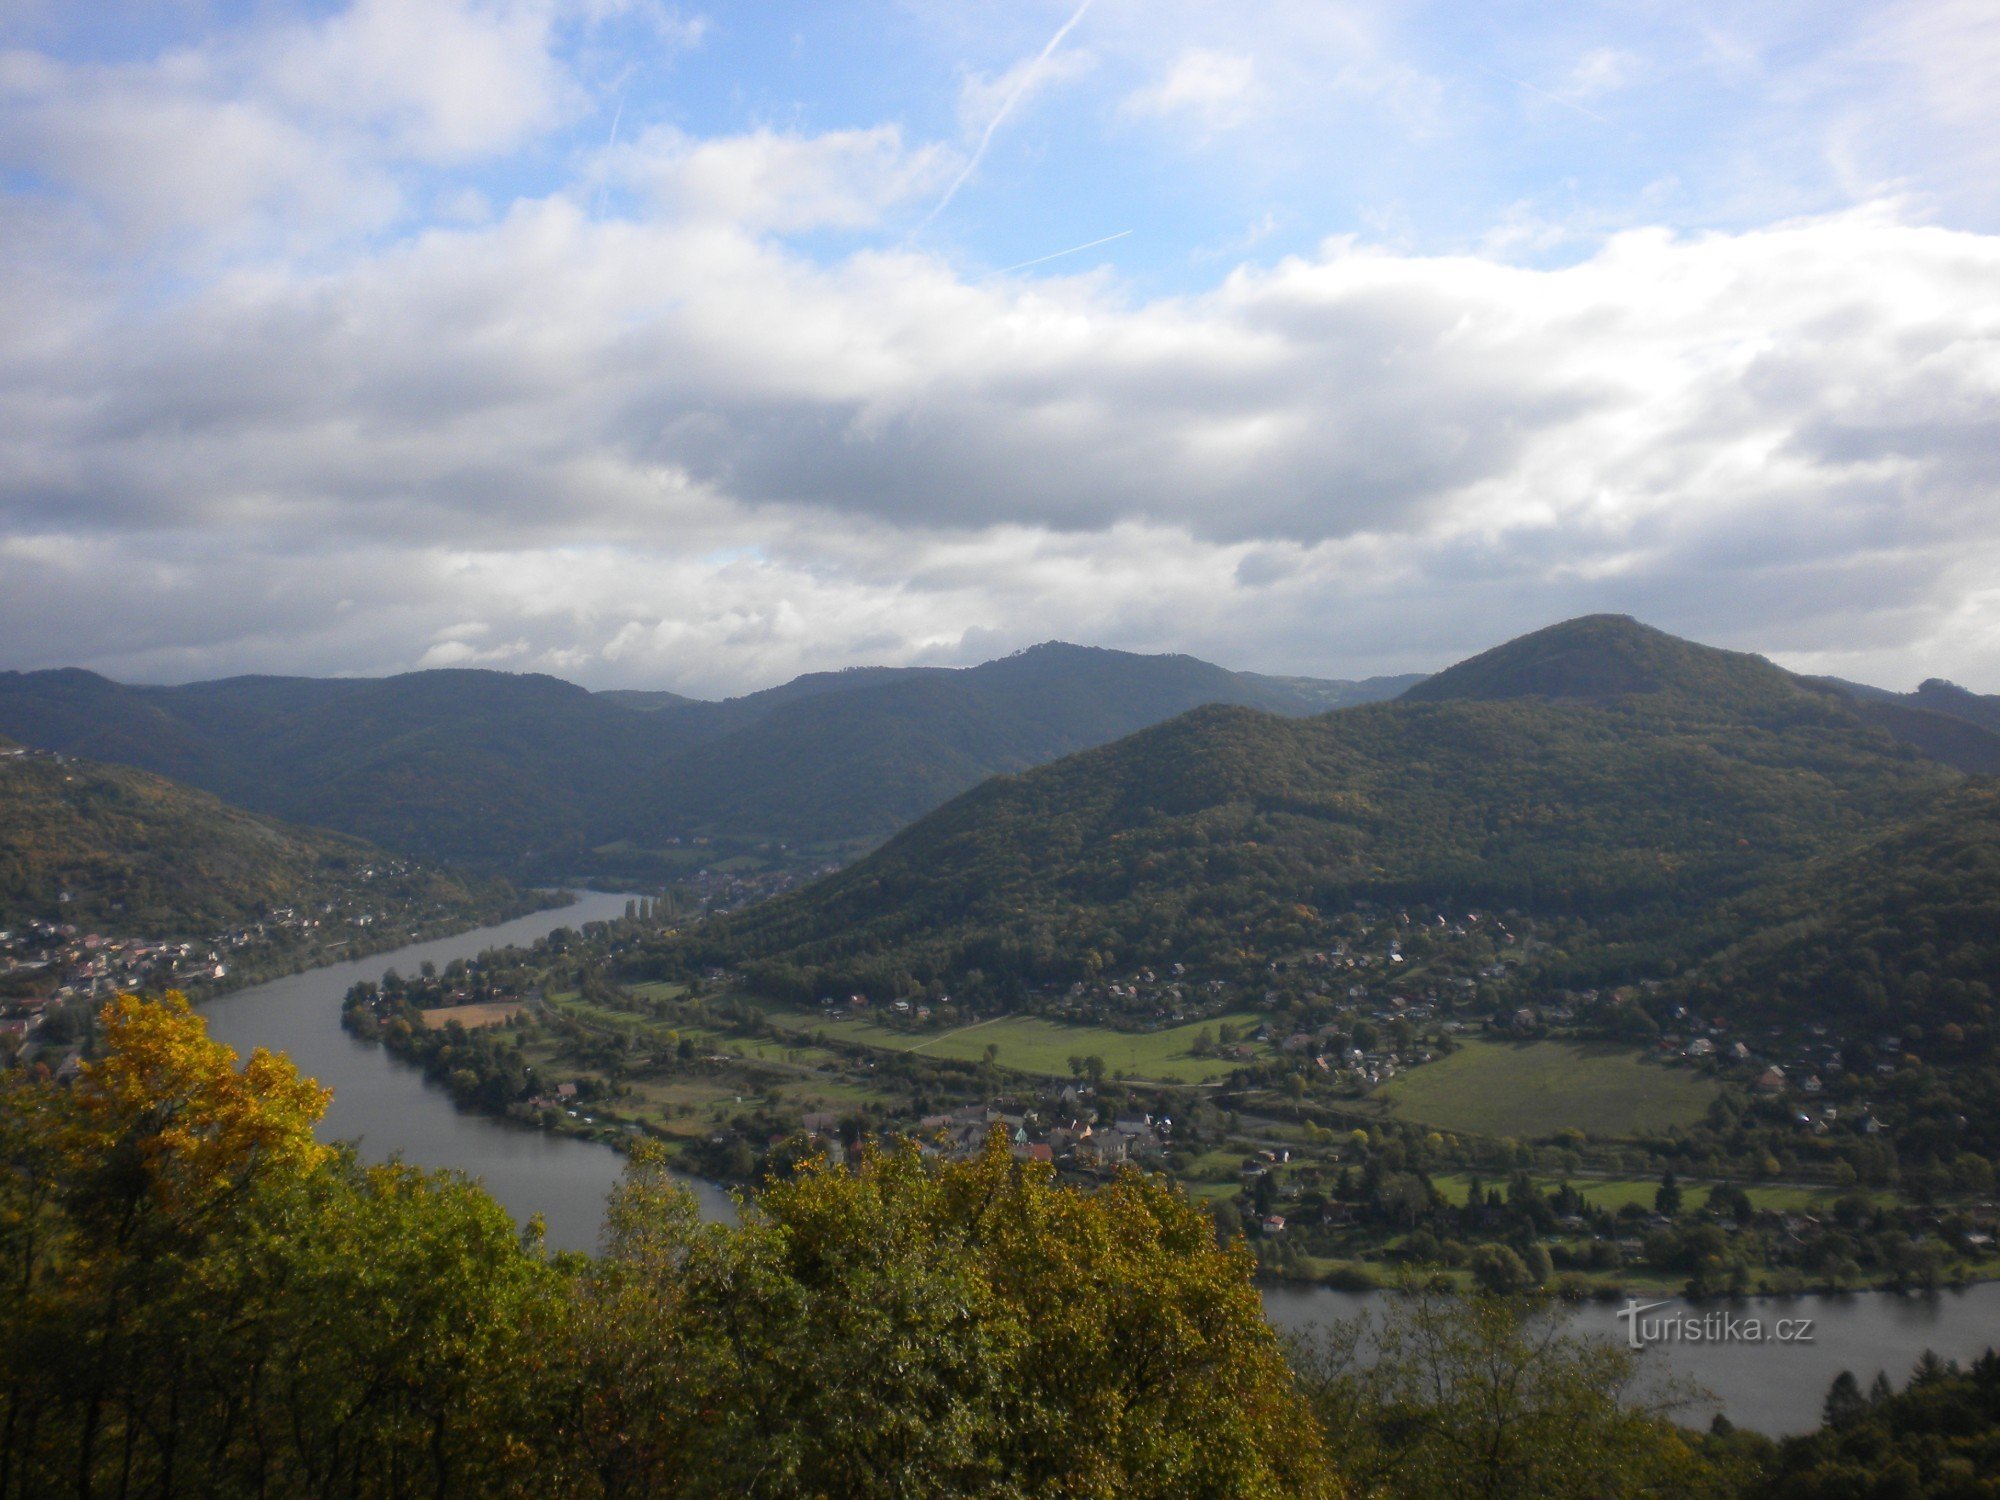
<point>1719,1327</point>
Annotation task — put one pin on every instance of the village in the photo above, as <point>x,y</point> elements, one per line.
<point>53,971</point>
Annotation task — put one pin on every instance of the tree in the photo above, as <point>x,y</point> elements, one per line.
<point>1498,1270</point>
<point>1486,1396</point>
<point>1667,1198</point>
<point>907,1328</point>
<point>204,1300</point>
<point>1844,1401</point>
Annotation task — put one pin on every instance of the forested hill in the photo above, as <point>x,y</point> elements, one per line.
<point>1940,718</point>
<point>1904,925</point>
<point>530,774</point>
<point>1598,768</point>
<point>1601,657</point>
<point>119,851</point>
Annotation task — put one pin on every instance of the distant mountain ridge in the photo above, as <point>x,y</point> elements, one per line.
<point>1942,719</point>
<point>531,774</point>
<point>1602,657</point>
<point>1598,768</point>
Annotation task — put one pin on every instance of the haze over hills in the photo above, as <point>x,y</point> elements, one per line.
<point>533,775</point>
<point>1599,768</point>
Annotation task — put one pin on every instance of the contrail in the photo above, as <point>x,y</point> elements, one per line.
<point>1000,114</point>
<point>1058,255</point>
<point>597,204</point>
<point>1522,83</point>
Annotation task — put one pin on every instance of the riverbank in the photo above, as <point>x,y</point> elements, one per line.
<point>247,972</point>
<point>390,1111</point>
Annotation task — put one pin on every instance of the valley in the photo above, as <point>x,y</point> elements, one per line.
<point>1568,916</point>
<point>1603,966</point>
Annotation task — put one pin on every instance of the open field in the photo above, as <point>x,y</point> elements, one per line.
<point>1532,1089</point>
<point>1030,1044</point>
<point>471,1016</point>
<point>658,989</point>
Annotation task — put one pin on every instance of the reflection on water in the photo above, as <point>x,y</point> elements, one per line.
<point>1775,1388</point>
<point>391,1110</point>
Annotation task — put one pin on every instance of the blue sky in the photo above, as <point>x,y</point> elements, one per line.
<point>695,346</point>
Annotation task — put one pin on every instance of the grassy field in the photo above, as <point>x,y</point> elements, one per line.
<point>1030,1044</point>
<point>1533,1089</point>
<point>658,989</point>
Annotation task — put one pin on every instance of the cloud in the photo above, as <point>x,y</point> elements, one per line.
<point>1215,89</point>
<point>442,80</point>
<point>1603,70</point>
<point>781,182</point>
<point>686,452</point>
<point>680,410</point>
<point>169,148</point>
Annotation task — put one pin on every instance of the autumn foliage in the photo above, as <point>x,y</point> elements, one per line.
<point>204,1301</point>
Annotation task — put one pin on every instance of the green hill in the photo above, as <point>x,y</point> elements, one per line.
<point>116,850</point>
<point>1601,657</point>
<point>1904,925</point>
<point>1598,769</point>
<point>530,774</point>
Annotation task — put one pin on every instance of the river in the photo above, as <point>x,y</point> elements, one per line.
<point>391,1110</point>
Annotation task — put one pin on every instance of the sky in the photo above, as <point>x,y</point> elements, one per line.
<point>694,346</point>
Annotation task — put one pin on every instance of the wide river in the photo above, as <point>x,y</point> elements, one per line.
<point>390,1110</point>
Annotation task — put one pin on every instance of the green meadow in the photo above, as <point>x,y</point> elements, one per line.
<point>1532,1089</point>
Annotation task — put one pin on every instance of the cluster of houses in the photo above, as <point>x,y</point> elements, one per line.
<point>719,891</point>
<point>1799,1067</point>
<point>1061,1129</point>
<point>1163,997</point>
<point>44,964</point>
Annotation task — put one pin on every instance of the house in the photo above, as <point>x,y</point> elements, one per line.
<point>1770,1081</point>
<point>1274,1224</point>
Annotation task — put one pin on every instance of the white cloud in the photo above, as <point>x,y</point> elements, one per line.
<point>689,455</point>
<point>1603,70</point>
<point>983,99</point>
<point>781,182</point>
<point>662,444</point>
<point>171,148</point>
<point>445,80</point>
<point>1215,89</point>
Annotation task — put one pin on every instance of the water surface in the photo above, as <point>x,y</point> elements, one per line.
<point>1772,1387</point>
<point>390,1109</point>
